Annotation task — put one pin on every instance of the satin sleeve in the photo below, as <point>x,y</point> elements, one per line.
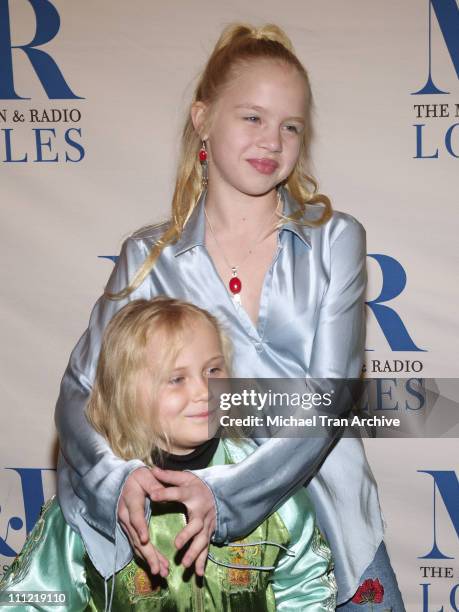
<point>304,580</point>
<point>246,493</point>
<point>94,473</point>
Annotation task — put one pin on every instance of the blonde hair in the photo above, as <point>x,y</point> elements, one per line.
<point>238,45</point>
<point>114,408</point>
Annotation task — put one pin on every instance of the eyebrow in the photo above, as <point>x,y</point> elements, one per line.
<point>260,108</point>
<point>219,357</point>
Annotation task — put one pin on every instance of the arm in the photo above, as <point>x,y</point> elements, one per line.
<point>96,475</point>
<point>304,581</point>
<point>247,492</point>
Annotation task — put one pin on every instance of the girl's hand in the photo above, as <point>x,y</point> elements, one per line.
<point>202,515</point>
<point>131,514</point>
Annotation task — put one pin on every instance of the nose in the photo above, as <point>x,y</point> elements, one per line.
<point>200,389</point>
<point>271,140</point>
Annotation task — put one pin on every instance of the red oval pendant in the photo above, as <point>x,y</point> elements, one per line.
<point>235,285</point>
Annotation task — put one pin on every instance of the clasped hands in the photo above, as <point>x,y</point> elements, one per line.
<point>187,489</point>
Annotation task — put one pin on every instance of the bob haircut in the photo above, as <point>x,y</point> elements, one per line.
<point>114,408</point>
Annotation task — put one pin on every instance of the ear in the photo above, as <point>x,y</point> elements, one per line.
<point>198,116</point>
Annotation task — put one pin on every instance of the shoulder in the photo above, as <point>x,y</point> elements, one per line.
<point>344,223</point>
<point>340,225</point>
<point>341,234</point>
<point>51,538</point>
<point>149,234</point>
<point>238,449</point>
<point>137,246</point>
<point>323,233</point>
<point>346,245</point>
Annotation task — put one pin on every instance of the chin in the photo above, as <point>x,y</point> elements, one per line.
<point>260,191</point>
<point>194,445</point>
<point>263,185</point>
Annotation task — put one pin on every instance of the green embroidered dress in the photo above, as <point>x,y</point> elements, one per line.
<point>284,564</point>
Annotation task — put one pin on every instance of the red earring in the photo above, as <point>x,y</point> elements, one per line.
<point>203,152</point>
<point>203,160</point>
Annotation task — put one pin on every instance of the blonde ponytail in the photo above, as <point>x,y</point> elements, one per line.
<point>239,43</point>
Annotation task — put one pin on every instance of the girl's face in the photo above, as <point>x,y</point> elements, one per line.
<point>257,127</point>
<point>181,408</point>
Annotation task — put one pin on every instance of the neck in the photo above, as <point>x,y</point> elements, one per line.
<point>176,450</point>
<point>197,458</point>
<point>232,211</point>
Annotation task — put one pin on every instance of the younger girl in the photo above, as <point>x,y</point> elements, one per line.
<point>150,400</point>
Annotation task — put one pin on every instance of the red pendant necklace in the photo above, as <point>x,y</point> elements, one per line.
<point>234,283</point>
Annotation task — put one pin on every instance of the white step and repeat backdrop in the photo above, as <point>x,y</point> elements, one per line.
<point>92,98</point>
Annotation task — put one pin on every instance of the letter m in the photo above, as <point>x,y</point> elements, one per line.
<point>447,13</point>
<point>447,484</point>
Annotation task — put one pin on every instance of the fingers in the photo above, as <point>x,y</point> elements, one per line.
<point>138,522</point>
<point>131,505</point>
<point>170,494</point>
<point>188,490</point>
<point>131,508</point>
<point>171,477</point>
<point>122,511</point>
<point>133,536</point>
<point>192,528</point>
<point>200,565</point>
<point>125,522</point>
<point>157,562</point>
<point>145,478</point>
<point>196,495</point>
<point>198,548</point>
<point>139,484</point>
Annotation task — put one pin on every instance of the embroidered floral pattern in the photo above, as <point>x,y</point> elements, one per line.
<point>320,546</point>
<point>140,585</point>
<point>143,584</point>
<point>329,582</point>
<point>20,566</point>
<point>244,555</point>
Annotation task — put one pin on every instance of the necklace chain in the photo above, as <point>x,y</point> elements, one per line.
<point>234,269</point>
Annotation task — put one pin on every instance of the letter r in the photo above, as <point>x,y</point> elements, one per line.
<point>46,69</point>
<point>394,281</point>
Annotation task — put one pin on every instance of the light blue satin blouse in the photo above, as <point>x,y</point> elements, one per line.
<point>311,324</point>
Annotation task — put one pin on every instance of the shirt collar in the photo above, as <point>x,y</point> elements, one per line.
<point>194,231</point>
<point>290,207</point>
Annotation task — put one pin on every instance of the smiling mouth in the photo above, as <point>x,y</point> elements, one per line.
<point>201,415</point>
<point>264,166</point>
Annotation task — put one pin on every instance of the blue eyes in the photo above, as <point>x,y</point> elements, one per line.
<point>214,370</point>
<point>178,380</point>
<point>290,128</point>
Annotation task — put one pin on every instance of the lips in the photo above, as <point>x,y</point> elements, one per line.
<point>264,165</point>
<point>201,415</point>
